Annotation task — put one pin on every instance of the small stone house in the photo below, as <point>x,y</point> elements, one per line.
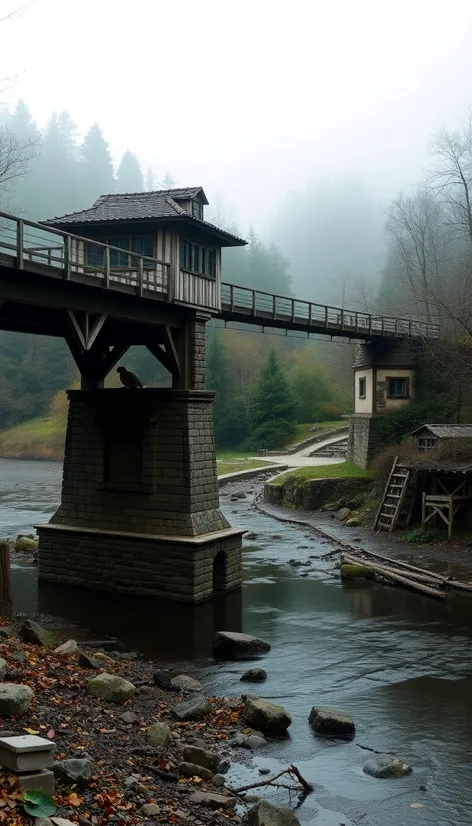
<point>430,436</point>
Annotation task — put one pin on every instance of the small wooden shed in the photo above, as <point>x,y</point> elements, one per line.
<point>430,436</point>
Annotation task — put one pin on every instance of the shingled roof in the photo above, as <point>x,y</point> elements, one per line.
<point>143,206</point>
<point>447,431</point>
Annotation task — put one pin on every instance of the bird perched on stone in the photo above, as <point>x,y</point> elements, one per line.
<point>128,379</point>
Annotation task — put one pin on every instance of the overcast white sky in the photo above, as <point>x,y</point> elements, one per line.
<point>251,98</point>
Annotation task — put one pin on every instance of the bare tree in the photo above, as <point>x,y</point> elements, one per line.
<point>451,175</point>
<point>419,248</point>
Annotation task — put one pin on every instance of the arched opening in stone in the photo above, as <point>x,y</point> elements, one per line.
<point>219,572</point>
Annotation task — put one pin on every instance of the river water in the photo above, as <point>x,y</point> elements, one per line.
<point>399,663</point>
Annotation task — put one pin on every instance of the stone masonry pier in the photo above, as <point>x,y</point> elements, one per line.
<point>139,511</point>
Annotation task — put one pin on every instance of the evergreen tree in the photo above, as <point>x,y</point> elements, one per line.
<point>96,166</point>
<point>274,408</point>
<point>219,380</point>
<point>168,181</point>
<point>26,193</point>
<point>129,177</point>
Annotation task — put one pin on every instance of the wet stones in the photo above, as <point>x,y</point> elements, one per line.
<point>325,720</point>
<point>266,716</point>
<point>185,683</point>
<point>110,687</point>
<point>84,661</point>
<point>195,709</point>
<point>231,644</point>
<point>266,814</point>
<point>343,514</point>
<point>15,699</point>
<point>254,675</point>
<point>3,668</point>
<point>386,766</point>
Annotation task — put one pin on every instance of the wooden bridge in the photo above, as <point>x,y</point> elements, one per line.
<point>38,250</point>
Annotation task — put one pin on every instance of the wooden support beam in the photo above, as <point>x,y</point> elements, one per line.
<point>85,327</point>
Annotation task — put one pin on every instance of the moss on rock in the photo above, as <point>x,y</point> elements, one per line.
<point>356,572</point>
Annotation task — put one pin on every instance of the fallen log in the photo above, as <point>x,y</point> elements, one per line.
<point>449,582</point>
<point>412,584</point>
<point>353,559</point>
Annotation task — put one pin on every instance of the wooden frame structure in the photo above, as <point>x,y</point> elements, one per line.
<point>447,503</point>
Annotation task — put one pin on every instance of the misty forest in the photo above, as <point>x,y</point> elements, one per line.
<point>330,240</point>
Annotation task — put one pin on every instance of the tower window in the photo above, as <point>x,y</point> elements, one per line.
<point>398,388</point>
<point>362,388</point>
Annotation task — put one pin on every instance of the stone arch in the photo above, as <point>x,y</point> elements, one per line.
<point>220,564</point>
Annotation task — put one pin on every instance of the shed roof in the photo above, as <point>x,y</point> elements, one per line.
<point>437,466</point>
<point>447,431</point>
<point>162,205</point>
<point>395,354</point>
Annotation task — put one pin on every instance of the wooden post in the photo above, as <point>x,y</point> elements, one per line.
<point>6,602</point>
<point>141,275</point>
<point>274,306</point>
<point>67,257</point>
<point>20,235</point>
<point>107,266</point>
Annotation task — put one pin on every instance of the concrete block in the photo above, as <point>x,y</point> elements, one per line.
<point>42,780</point>
<point>26,753</point>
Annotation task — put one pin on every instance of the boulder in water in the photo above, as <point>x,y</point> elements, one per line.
<point>232,644</point>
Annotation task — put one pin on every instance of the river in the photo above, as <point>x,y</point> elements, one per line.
<point>399,663</point>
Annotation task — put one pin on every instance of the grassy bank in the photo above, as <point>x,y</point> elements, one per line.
<point>303,430</point>
<point>341,470</point>
<point>41,438</point>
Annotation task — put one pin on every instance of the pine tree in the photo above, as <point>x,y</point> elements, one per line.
<point>58,169</point>
<point>96,166</point>
<point>168,181</point>
<point>25,195</point>
<point>129,177</point>
<point>274,408</point>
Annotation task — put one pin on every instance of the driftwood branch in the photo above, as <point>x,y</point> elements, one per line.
<point>270,781</point>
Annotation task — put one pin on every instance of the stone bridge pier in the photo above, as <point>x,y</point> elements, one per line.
<point>139,510</point>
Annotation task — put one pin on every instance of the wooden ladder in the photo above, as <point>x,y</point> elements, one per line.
<point>397,499</point>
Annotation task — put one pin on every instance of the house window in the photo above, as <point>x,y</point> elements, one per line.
<point>362,388</point>
<point>141,245</point>
<point>398,388</point>
<point>197,259</point>
<point>426,442</point>
<point>197,210</point>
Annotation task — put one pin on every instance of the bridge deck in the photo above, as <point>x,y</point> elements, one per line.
<point>31,247</point>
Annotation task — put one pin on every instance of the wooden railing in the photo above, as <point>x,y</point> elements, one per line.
<point>265,309</point>
<point>30,243</point>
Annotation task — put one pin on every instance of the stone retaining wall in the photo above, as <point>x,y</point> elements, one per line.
<point>312,494</point>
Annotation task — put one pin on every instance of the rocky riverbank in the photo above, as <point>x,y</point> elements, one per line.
<point>132,744</point>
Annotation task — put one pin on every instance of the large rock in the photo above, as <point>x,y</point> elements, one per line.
<point>331,721</point>
<point>202,757</point>
<point>343,514</point>
<point>313,494</point>
<point>69,647</point>
<point>162,679</point>
<point>254,675</point>
<point>195,709</point>
<point>185,683</point>
<point>231,644</point>
<point>30,631</point>
<point>3,668</point>
<point>266,814</point>
<point>14,699</point>
<point>75,770</point>
<point>213,801</point>
<point>193,770</point>
<point>26,545</point>
<point>87,662</point>
<point>266,716</point>
<point>110,687</point>
<point>158,735</point>
<point>386,765</point>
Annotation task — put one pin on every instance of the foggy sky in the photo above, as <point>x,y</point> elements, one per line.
<point>254,98</point>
